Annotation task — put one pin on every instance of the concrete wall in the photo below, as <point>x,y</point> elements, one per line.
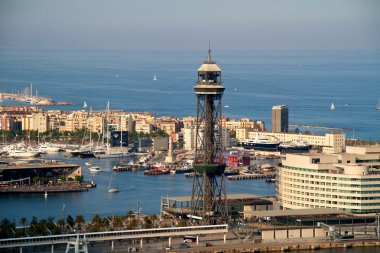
<point>292,233</point>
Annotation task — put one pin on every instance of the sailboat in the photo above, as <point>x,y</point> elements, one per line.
<point>84,105</point>
<point>155,77</point>
<point>332,106</point>
<point>378,105</point>
<point>113,152</point>
<point>112,188</point>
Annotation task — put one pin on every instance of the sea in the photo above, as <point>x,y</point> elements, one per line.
<point>307,81</point>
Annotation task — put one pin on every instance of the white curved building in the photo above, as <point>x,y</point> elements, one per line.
<point>347,181</point>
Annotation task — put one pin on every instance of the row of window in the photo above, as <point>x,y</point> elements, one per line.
<point>312,194</point>
<point>343,209</point>
<point>329,177</point>
<point>329,202</point>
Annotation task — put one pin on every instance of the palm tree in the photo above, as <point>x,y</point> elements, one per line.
<point>79,220</point>
<point>153,217</point>
<point>147,222</point>
<point>117,223</point>
<point>61,224</point>
<point>130,215</point>
<point>23,222</point>
<point>106,223</point>
<point>132,224</point>
<point>96,222</point>
<point>70,220</point>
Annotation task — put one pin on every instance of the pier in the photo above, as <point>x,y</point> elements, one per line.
<point>251,176</point>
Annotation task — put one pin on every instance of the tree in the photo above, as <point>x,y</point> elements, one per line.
<point>182,223</point>
<point>105,222</point>
<point>80,221</point>
<point>96,223</point>
<point>117,223</point>
<point>148,222</point>
<point>23,222</point>
<point>153,217</point>
<point>7,229</point>
<point>132,224</point>
<point>61,224</point>
<point>70,221</point>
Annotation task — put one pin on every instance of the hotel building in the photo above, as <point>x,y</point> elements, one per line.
<point>347,181</point>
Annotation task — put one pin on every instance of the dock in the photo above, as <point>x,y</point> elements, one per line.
<point>46,188</point>
<point>251,176</point>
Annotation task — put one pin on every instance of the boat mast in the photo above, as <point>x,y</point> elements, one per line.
<point>121,133</point>
<point>90,126</point>
<point>107,131</point>
<point>109,187</point>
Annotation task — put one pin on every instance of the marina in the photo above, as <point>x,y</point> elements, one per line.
<point>133,187</point>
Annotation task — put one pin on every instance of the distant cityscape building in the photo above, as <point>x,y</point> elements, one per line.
<point>280,118</point>
<point>328,143</point>
<point>160,144</point>
<point>189,135</point>
<point>119,138</point>
<point>347,181</point>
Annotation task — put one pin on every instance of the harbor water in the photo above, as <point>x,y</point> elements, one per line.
<point>134,187</point>
<point>307,81</point>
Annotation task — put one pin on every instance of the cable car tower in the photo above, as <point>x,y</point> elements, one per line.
<point>209,200</point>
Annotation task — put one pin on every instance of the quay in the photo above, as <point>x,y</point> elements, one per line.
<point>48,188</point>
<point>77,240</point>
<point>10,169</point>
<point>252,176</point>
<point>214,238</point>
<point>38,176</point>
<point>124,168</point>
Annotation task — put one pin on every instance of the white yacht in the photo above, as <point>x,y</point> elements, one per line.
<point>48,148</point>
<point>21,150</point>
<point>94,169</point>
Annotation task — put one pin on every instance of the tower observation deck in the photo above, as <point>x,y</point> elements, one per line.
<point>209,201</point>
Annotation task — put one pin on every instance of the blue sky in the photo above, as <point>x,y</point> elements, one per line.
<point>183,25</point>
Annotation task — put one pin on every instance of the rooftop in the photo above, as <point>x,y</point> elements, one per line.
<point>294,212</point>
<point>229,197</point>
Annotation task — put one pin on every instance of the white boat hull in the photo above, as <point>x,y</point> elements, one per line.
<point>113,155</point>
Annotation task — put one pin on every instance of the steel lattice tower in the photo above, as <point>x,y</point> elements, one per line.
<point>209,200</point>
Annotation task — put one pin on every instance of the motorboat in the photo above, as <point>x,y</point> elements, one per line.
<point>94,169</point>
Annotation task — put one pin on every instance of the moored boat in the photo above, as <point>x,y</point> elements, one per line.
<point>94,169</point>
<point>260,143</point>
<point>294,147</point>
